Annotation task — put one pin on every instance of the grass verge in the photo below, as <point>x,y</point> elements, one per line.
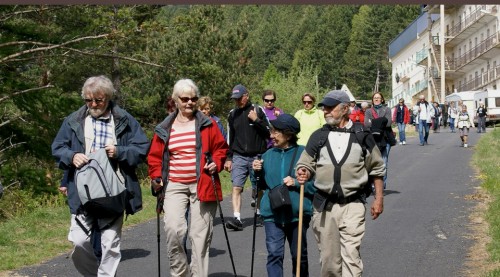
<point>35,237</point>
<point>487,159</point>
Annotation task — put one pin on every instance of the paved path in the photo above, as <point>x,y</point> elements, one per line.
<point>422,232</point>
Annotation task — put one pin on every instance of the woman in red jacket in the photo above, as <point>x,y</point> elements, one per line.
<point>401,116</point>
<point>177,163</point>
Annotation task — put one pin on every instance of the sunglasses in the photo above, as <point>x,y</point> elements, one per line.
<point>97,101</point>
<point>269,100</point>
<point>307,102</point>
<point>187,99</point>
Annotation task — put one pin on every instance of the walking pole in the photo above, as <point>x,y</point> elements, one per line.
<point>299,235</point>
<point>160,197</point>
<point>209,159</point>
<point>257,179</point>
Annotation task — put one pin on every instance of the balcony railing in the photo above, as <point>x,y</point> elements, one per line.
<point>469,20</point>
<point>421,55</point>
<point>481,81</point>
<point>484,46</point>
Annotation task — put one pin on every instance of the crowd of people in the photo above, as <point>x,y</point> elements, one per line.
<point>302,157</point>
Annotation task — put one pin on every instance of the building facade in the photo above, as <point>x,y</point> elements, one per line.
<point>448,48</point>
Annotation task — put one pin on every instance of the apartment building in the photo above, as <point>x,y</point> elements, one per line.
<point>448,48</point>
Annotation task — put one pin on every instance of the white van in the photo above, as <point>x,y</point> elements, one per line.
<point>491,100</point>
<point>467,98</point>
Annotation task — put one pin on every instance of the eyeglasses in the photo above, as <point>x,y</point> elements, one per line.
<point>269,100</point>
<point>307,102</point>
<point>186,99</point>
<point>97,101</point>
<point>374,98</point>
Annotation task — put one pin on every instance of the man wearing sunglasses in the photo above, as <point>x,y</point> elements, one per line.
<point>98,124</point>
<point>248,133</point>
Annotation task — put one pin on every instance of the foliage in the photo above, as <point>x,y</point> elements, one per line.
<point>487,159</point>
<point>290,88</point>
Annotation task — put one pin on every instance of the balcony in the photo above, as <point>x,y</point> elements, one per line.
<point>472,23</point>
<point>481,81</point>
<point>487,49</point>
<point>421,57</point>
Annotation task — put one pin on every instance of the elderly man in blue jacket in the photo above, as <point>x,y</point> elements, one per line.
<point>100,123</point>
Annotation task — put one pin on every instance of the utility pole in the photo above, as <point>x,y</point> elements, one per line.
<point>375,89</point>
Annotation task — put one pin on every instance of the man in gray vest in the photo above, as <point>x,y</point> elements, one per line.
<point>346,164</point>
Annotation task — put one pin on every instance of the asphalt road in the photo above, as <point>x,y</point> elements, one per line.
<point>422,232</point>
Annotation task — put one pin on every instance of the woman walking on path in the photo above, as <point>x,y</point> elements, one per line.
<point>178,165</point>
<point>464,122</point>
<point>310,118</point>
<point>380,110</point>
<point>453,115</point>
<point>281,224</point>
<point>401,116</point>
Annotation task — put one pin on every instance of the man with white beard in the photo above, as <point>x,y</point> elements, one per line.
<point>341,165</point>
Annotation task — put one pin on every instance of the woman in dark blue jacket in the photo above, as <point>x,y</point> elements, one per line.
<point>277,168</point>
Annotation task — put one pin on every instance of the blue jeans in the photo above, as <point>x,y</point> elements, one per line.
<point>402,134</point>
<point>276,235</point>
<point>423,131</point>
<point>452,124</point>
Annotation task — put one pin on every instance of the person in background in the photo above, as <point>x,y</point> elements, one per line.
<point>378,111</point>
<point>444,114</point>
<point>356,114</point>
<point>452,115</point>
<point>205,105</point>
<point>339,210</point>
<point>436,116</point>
<point>463,123</point>
<point>248,130</point>
<point>177,164</point>
<point>100,123</point>
<point>401,116</point>
<point>281,225</point>
<point>481,118</point>
<point>424,112</point>
<point>269,99</point>
<point>310,118</point>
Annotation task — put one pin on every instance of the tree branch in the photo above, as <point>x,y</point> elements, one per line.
<point>24,91</point>
<point>48,47</point>
<point>8,15</point>
<point>113,56</point>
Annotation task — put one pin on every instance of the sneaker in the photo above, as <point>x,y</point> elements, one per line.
<point>465,145</point>
<point>404,142</point>
<point>400,143</point>
<point>235,224</point>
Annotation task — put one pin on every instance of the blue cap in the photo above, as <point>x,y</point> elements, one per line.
<point>238,91</point>
<point>286,122</point>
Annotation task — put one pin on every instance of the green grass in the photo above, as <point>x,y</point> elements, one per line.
<point>35,237</point>
<point>487,159</point>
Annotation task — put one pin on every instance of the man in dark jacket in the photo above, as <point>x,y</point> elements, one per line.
<point>99,124</point>
<point>248,129</point>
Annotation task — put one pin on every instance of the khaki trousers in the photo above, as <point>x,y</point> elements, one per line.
<point>178,197</point>
<point>338,233</point>
<point>83,253</point>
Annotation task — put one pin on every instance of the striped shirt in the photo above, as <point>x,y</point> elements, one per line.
<point>182,149</point>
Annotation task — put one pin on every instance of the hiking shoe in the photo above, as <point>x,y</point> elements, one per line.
<point>235,224</point>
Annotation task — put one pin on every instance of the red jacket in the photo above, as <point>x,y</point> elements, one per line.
<point>208,139</point>
<point>359,114</point>
<point>406,114</point>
